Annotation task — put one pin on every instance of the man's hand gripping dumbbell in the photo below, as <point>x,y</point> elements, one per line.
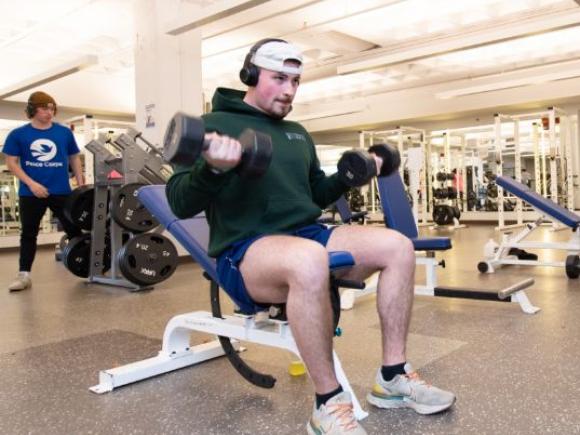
<point>185,140</point>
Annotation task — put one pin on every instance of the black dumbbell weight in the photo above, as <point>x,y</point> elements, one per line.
<point>471,200</point>
<point>440,193</point>
<point>492,190</point>
<point>357,167</point>
<point>185,140</point>
<point>390,156</point>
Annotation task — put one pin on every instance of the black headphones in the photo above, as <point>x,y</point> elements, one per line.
<point>30,110</point>
<point>250,73</point>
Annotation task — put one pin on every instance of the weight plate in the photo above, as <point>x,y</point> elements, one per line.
<point>63,242</point>
<point>78,207</point>
<point>147,259</point>
<point>128,212</point>
<point>573,266</point>
<point>440,215</point>
<point>492,190</point>
<point>490,205</point>
<point>456,212</point>
<point>76,256</point>
<point>449,214</point>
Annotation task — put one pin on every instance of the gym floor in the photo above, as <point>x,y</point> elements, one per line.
<point>513,373</point>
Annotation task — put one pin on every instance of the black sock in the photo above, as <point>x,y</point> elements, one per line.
<point>321,399</point>
<point>389,372</point>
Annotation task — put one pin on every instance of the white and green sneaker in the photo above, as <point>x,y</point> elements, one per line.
<point>336,417</point>
<point>409,391</point>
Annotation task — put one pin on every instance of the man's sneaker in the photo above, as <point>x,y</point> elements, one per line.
<point>336,417</point>
<point>21,282</point>
<point>409,391</point>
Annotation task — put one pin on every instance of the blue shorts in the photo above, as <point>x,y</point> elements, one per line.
<point>230,277</point>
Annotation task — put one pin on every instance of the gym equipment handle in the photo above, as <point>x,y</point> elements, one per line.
<point>507,292</point>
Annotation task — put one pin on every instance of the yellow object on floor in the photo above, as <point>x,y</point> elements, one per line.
<point>296,368</point>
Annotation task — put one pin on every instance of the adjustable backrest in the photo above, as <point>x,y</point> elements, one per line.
<point>343,209</point>
<point>546,205</point>
<point>395,203</point>
<point>154,199</point>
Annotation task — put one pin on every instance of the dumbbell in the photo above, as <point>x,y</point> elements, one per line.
<point>185,140</point>
<point>357,167</point>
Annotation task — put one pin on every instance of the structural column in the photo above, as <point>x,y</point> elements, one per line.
<point>167,69</point>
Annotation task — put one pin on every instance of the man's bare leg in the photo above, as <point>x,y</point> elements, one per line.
<point>294,270</point>
<point>376,248</point>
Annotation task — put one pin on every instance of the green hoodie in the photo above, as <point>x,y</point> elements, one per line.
<point>290,194</point>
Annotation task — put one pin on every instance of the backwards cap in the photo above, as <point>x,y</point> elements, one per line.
<point>272,56</point>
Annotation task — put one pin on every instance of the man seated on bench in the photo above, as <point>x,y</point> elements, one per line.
<point>270,249</point>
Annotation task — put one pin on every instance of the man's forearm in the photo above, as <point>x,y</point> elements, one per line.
<point>17,171</point>
<point>75,162</point>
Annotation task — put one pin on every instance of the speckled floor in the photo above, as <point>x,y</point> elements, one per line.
<point>513,373</point>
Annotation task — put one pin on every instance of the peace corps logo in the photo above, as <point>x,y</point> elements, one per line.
<point>43,150</point>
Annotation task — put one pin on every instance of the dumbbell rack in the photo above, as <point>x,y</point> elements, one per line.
<point>446,199</point>
<point>134,165</point>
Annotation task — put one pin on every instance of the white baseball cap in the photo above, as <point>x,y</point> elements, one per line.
<point>272,56</point>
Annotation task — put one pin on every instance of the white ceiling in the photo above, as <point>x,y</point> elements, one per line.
<point>378,45</point>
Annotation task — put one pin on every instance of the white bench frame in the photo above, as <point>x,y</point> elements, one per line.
<point>500,254</point>
<point>177,352</point>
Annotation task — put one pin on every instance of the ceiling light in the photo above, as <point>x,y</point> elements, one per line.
<point>509,84</point>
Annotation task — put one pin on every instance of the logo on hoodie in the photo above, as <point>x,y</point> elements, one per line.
<point>295,136</point>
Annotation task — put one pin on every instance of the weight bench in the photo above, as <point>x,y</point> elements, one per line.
<point>511,250</point>
<point>177,352</point>
<point>346,215</point>
<point>398,216</point>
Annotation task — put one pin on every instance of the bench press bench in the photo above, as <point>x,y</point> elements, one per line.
<point>509,251</point>
<point>398,215</point>
<point>177,352</point>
